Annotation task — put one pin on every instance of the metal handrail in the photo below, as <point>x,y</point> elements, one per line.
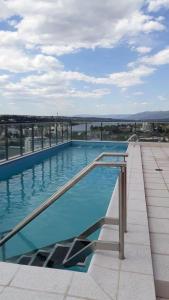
<point>94,227</point>
<point>70,184</point>
<point>114,154</point>
<point>124,155</point>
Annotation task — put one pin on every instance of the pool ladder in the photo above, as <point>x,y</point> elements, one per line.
<point>77,249</point>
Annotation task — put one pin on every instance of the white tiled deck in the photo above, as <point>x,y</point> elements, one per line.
<point>108,277</point>
<point>155,156</point>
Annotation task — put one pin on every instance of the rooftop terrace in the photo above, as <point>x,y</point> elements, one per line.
<point>144,273</point>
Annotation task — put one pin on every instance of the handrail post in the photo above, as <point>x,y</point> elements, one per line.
<point>125,197</point>
<point>121,216</point>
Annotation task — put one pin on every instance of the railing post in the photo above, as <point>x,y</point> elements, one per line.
<point>56,133</point>
<point>86,131</point>
<point>33,133</point>
<point>42,141</point>
<point>101,134</point>
<point>6,143</point>
<point>50,139</point>
<point>121,216</point>
<point>135,127</point>
<point>70,130</point>
<point>62,132</point>
<point>67,132</point>
<point>21,139</point>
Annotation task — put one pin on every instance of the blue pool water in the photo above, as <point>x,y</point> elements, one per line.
<point>25,186</point>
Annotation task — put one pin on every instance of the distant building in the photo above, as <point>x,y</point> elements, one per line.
<point>146,127</point>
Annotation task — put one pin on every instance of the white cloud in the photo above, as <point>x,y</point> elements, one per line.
<point>61,27</point>
<point>14,60</point>
<point>128,78</point>
<point>160,58</point>
<point>155,5</point>
<point>97,93</point>
<point>120,79</point>
<point>139,93</point>
<point>140,103</point>
<point>163,98</point>
<point>143,50</point>
<point>9,38</point>
<point>3,78</point>
<point>52,85</point>
<point>5,12</point>
<point>55,84</point>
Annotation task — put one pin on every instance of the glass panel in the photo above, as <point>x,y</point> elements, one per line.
<point>2,143</point>
<point>27,138</point>
<point>13,140</point>
<point>69,132</point>
<point>37,136</point>
<point>78,131</point>
<point>46,134</point>
<point>94,131</point>
<point>59,132</point>
<point>154,132</point>
<point>116,131</point>
<point>53,134</point>
<point>65,132</point>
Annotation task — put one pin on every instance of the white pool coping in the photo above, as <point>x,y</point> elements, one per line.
<point>108,278</point>
<point>155,157</point>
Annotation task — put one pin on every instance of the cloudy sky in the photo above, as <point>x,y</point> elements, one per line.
<point>84,57</point>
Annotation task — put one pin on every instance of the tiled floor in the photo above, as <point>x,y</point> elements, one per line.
<point>154,157</point>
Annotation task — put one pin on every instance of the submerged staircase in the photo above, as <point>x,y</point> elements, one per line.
<point>71,252</point>
<point>59,255</point>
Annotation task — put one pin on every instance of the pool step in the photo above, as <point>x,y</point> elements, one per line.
<point>61,255</point>
<point>39,258</point>
<point>24,260</point>
<point>78,253</point>
<point>56,256</point>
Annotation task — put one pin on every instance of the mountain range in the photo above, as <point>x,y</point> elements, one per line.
<point>146,115</point>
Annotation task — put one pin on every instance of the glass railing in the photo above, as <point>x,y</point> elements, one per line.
<point>23,138</point>
<point>120,131</point>
<point>17,139</point>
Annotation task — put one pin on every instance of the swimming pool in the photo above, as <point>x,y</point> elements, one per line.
<point>27,183</point>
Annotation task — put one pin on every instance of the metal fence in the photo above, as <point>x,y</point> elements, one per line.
<point>17,139</point>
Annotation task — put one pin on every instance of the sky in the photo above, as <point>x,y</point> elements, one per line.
<point>71,57</point>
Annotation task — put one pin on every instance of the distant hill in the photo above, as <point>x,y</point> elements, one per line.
<point>151,115</point>
<point>143,116</point>
<point>115,116</point>
<point>146,115</point>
